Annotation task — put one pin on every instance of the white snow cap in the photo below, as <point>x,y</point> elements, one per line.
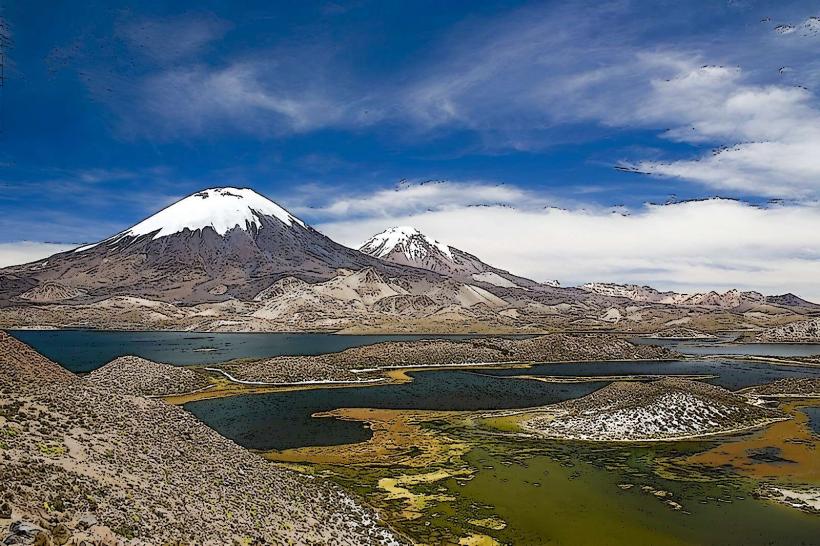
<point>414,244</point>
<point>220,208</point>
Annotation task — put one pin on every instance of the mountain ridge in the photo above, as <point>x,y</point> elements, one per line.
<point>192,253</point>
<point>406,245</point>
<point>229,259</point>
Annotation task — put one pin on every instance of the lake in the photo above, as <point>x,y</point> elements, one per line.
<point>283,420</point>
<point>546,491</point>
<point>82,351</point>
<point>702,348</point>
<point>731,374</point>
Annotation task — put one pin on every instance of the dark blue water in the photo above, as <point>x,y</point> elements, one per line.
<point>82,351</point>
<point>283,420</point>
<point>700,348</point>
<point>732,374</point>
<point>814,418</point>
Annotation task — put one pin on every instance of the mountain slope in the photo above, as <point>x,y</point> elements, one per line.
<point>646,294</point>
<point>405,245</point>
<point>210,246</point>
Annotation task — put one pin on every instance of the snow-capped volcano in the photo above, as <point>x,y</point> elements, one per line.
<point>221,209</point>
<point>407,245</point>
<point>214,244</point>
<point>217,209</point>
<point>410,242</point>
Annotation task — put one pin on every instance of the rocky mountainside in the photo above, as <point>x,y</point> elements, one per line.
<point>646,294</point>
<point>681,333</point>
<point>229,259</point>
<point>82,464</point>
<point>405,245</point>
<point>138,376</point>
<point>794,302</point>
<point>808,387</point>
<point>356,363</point>
<point>21,364</point>
<point>210,246</point>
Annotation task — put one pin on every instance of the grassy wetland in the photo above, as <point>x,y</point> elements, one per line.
<point>462,478</point>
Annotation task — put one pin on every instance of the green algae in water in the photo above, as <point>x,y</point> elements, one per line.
<point>585,494</point>
<point>549,500</point>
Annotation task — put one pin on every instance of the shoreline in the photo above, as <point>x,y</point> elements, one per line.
<point>345,332</point>
<point>398,374</point>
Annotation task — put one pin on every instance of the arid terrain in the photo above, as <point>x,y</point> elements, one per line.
<point>81,462</point>
<point>365,363</point>
<point>230,260</point>
<point>635,411</point>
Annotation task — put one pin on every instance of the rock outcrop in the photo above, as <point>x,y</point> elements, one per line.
<point>806,331</point>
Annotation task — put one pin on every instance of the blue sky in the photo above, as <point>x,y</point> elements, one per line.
<point>339,110</point>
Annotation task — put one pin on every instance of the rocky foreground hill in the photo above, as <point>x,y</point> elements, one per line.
<point>83,464</point>
<point>356,363</point>
<point>669,408</point>
<point>138,376</point>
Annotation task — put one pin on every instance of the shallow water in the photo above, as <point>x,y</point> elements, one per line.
<point>723,348</point>
<point>83,351</point>
<point>732,374</point>
<point>572,497</point>
<point>813,414</point>
<point>549,493</point>
<point>283,420</point>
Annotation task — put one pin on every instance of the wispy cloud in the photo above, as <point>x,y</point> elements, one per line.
<point>410,197</point>
<point>522,80</point>
<point>695,245</point>
<point>769,132</point>
<point>171,39</point>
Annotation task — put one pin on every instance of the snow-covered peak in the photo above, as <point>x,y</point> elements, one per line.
<point>415,245</point>
<point>219,208</point>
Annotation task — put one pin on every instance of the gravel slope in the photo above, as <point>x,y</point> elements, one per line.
<point>81,462</point>
<point>138,376</point>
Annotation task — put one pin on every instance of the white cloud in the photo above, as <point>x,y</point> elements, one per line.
<point>23,252</point>
<point>773,132</point>
<point>696,245</point>
<point>411,197</point>
<point>525,79</point>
